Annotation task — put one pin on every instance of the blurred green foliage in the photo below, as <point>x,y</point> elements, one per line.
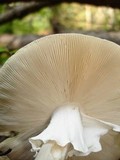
<point>32,24</point>
<point>84,17</point>
<point>5,54</point>
<point>65,16</point>
<point>69,16</point>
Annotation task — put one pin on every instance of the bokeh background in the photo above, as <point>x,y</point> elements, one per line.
<point>22,22</point>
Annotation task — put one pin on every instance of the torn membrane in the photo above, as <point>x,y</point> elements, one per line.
<point>69,133</point>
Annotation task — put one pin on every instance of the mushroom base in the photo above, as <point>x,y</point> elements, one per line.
<point>69,133</point>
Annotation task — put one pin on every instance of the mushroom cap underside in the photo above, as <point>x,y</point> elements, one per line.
<point>56,70</point>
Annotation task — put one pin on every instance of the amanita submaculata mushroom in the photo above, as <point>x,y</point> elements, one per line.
<point>62,94</point>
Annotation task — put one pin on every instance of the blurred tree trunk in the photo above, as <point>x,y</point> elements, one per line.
<point>100,16</point>
<point>108,3</point>
<point>105,15</point>
<point>88,16</point>
<point>111,17</point>
<point>13,42</point>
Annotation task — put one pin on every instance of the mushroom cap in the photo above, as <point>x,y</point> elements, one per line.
<point>57,70</point>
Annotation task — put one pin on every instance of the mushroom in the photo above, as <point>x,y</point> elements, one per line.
<point>62,94</point>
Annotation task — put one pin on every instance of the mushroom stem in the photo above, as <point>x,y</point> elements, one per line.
<point>70,132</point>
<point>52,151</point>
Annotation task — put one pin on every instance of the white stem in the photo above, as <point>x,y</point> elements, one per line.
<point>52,151</point>
<point>70,126</point>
